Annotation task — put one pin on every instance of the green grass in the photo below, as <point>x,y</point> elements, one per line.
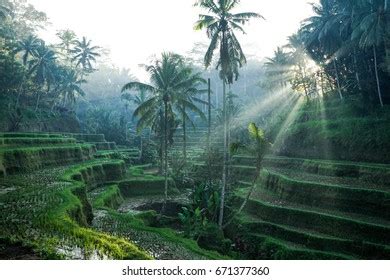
<point>341,227</point>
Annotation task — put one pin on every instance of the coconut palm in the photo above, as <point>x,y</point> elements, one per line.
<point>4,12</point>
<point>278,67</point>
<point>70,87</point>
<point>371,31</point>
<point>323,29</point>
<point>28,47</point>
<point>42,66</point>
<point>220,25</point>
<point>168,80</point>
<point>85,54</point>
<point>68,39</point>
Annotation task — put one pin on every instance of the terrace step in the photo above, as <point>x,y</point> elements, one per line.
<point>338,225</point>
<point>314,193</point>
<point>316,241</point>
<point>369,172</point>
<point>284,250</point>
<point>34,141</point>
<point>26,159</point>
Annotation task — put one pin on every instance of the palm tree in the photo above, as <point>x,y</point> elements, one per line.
<point>85,54</point>
<point>278,67</point>
<point>5,12</point>
<point>168,80</point>
<point>68,39</point>
<point>324,29</point>
<point>71,87</point>
<point>28,47</point>
<point>371,33</point>
<point>42,67</point>
<point>220,25</point>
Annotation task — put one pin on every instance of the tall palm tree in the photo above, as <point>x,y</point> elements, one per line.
<point>29,48</point>
<point>85,54</point>
<point>220,25</point>
<point>323,29</point>
<point>168,79</point>
<point>371,32</point>
<point>41,66</point>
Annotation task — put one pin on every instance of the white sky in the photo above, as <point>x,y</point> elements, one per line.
<point>134,30</point>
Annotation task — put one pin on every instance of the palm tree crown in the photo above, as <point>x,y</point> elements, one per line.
<point>220,24</point>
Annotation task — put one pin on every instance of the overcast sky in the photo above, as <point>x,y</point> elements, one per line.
<point>133,30</point>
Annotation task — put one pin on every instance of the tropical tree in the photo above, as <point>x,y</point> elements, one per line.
<point>220,25</point>
<point>371,31</point>
<point>70,87</point>
<point>257,147</point>
<point>28,48</point>
<point>68,39</point>
<point>42,67</point>
<point>4,11</point>
<point>278,68</point>
<point>85,54</point>
<point>323,29</point>
<point>168,80</point>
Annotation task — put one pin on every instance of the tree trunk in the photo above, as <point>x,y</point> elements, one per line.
<point>258,168</point>
<point>165,156</point>
<point>356,70</point>
<point>37,104</point>
<point>224,171</point>
<point>337,79</point>
<point>184,136</point>
<point>377,77</point>
<point>141,151</point>
<point>209,111</point>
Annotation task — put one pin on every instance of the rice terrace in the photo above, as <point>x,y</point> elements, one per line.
<point>210,147</point>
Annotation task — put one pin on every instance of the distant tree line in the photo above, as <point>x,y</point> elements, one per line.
<point>34,73</point>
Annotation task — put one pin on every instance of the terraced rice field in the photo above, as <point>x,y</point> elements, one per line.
<point>339,208</point>
<point>68,209</point>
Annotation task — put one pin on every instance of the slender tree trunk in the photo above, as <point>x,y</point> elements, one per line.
<point>258,168</point>
<point>224,171</point>
<point>209,113</point>
<point>377,77</point>
<point>209,130</point>
<point>37,104</point>
<point>337,79</point>
<point>20,90</point>
<point>161,153</point>
<point>387,36</point>
<point>184,136</point>
<point>141,150</point>
<point>356,69</point>
<point>165,156</point>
